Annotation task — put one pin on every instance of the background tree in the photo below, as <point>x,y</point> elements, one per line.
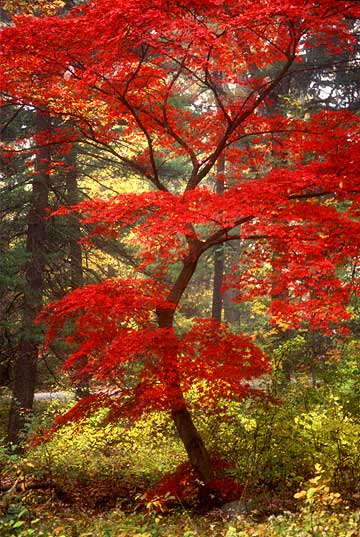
<point>25,368</point>
<point>40,258</point>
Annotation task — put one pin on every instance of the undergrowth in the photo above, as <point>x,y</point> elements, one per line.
<point>292,469</point>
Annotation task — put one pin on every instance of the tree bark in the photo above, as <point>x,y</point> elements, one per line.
<point>5,301</point>
<point>217,298</point>
<point>232,312</point>
<point>76,267</point>
<point>219,255</point>
<point>25,373</point>
<point>191,438</point>
<point>194,445</point>
<point>72,195</point>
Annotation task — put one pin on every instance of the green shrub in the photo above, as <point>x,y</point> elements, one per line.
<point>92,463</point>
<point>18,521</point>
<point>277,444</point>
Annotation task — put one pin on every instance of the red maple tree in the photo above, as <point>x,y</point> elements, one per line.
<point>164,85</point>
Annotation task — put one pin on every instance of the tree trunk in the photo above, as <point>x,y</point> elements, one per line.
<point>26,363</point>
<point>281,336</point>
<point>72,195</point>
<point>217,298</point>
<point>232,312</point>
<point>5,301</point>
<point>194,445</point>
<point>5,345</point>
<point>76,267</point>
<point>219,255</point>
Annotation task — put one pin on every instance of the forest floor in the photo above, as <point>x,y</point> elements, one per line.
<point>92,481</point>
<point>42,512</point>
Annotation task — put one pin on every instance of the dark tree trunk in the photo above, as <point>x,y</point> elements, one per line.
<point>76,266</point>
<point>5,345</point>
<point>77,276</point>
<point>232,312</point>
<point>217,297</point>
<point>219,256</point>
<point>25,372</point>
<point>194,445</point>
<point>281,336</point>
